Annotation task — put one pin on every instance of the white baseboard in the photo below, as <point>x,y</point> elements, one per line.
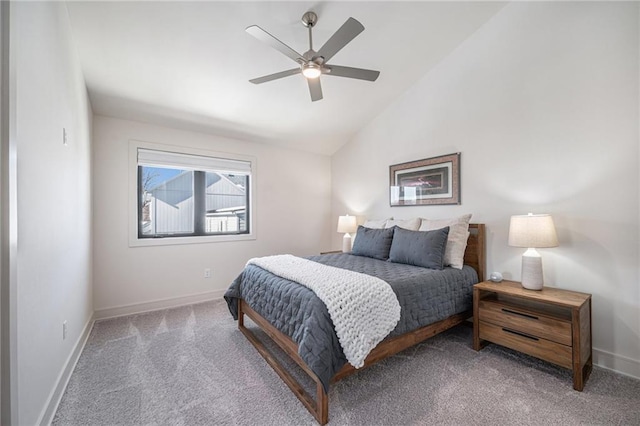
<point>174,302</point>
<point>46,417</point>
<point>618,363</point>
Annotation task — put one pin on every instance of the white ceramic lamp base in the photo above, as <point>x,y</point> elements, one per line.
<point>346,243</point>
<point>532,270</point>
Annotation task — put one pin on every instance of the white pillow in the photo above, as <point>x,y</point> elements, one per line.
<point>457,240</point>
<point>410,224</point>
<point>376,224</point>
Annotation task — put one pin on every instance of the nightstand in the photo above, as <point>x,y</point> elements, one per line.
<point>550,324</point>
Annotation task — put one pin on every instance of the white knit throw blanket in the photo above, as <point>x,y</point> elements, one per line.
<point>364,309</point>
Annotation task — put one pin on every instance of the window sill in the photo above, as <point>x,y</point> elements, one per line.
<point>169,241</point>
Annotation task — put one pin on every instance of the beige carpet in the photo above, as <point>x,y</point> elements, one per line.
<point>191,366</point>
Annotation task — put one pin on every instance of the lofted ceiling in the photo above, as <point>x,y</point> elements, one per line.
<point>187,64</point>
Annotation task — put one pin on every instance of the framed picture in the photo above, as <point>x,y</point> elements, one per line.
<point>425,182</point>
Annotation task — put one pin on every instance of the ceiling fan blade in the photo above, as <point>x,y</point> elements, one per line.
<point>359,73</point>
<point>315,89</point>
<point>275,76</point>
<point>267,38</point>
<point>347,32</point>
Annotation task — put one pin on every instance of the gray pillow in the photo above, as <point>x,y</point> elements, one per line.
<point>373,242</point>
<point>419,248</point>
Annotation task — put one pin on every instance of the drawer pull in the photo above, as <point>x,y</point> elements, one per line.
<point>520,334</point>
<point>509,311</point>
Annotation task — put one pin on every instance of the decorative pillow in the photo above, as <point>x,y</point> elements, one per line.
<point>457,240</point>
<point>419,248</point>
<point>410,224</point>
<point>376,224</point>
<point>373,242</point>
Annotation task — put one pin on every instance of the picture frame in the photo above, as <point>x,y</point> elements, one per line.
<point>431,181</point>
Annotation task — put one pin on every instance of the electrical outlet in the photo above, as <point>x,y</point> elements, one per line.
<point>207,273</point>
<point>64,329</point>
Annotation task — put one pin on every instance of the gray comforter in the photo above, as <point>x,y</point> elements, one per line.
<point>425,296</point>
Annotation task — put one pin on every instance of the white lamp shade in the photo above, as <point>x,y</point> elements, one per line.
<point>532,230</point>
<point>347,224</point>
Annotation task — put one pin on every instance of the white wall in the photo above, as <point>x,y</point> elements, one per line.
<point>542,102</point>
<point>292,214</point>
<point>54,203</point>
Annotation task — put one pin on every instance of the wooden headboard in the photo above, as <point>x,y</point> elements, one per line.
<point>474,255</point>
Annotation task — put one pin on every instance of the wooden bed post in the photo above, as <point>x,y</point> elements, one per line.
<point>474,255</point>
<point>322,405</point>
<point>240,314</point>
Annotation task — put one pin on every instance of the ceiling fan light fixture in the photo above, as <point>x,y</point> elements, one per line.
<point>311,70</point>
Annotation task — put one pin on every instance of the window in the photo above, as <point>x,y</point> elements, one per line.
<point>187,195</point>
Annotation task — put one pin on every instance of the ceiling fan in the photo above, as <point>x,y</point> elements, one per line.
<point>313,64</point>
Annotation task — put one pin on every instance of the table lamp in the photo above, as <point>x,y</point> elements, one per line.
<point>347,224</point>
<point>532,231</point>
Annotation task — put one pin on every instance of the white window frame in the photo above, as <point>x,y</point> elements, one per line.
<point>135,241</point>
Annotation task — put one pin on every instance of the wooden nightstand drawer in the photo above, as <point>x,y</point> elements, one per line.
<point>525,320</point>
<point>527,343</point>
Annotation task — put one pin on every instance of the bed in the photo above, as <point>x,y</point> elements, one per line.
<point>298,322</point>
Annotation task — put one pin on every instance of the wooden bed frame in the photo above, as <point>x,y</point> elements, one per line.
<point>474,256</point>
